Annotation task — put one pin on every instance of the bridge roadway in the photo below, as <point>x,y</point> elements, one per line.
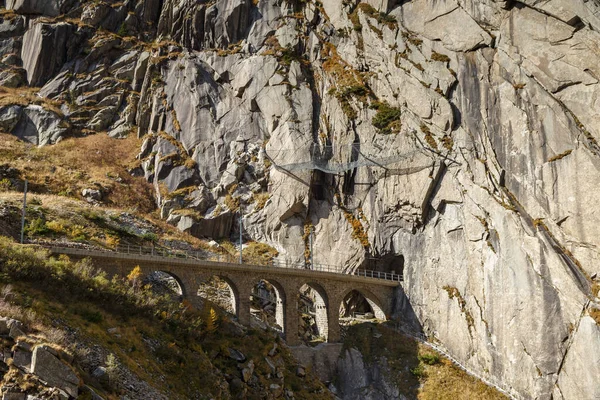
<point>191,269</point>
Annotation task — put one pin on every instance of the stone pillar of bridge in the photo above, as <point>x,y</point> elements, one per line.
<point>243,306</point>
<point>333,321</point>
<point>290,329</point>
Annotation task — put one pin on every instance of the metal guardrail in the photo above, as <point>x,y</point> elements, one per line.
<point>230,259</point>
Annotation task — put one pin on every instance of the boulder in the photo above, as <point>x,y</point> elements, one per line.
<point>39,126</point>
<point>22,358</point>
<point>16,329</point>
<point>54,372</point>
<point>248,371</point>
<point>276,390</point>
<point>14,77</point>
<point>101,375</point>
<point>92,195</point>
<point>102,119</point>
<point>236,355</point>
<point>9,116</point>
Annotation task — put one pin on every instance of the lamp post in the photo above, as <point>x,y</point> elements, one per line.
<point>23,215</point>
<point>310,239</point>
<point>241,234</point>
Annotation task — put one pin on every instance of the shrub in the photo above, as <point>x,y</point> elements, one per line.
<point>261,200</point>
<point>5,184</point>
<point>150,236</point>
<point>77,233</point>
<point>114,371</point>
<point>429,358</point>
<point>387,119</point>
<point>37,227</point>
<point>122,30</point>
<point>112,241</point>
<point>439,57</point>
<point>80,281</point>
<point>418,371</point>
<point>233,203</point>
<point>429,137</point>
<point>447,142</point>
<point>91,316</point>
<point>56,227</point>
<point>259,253</point>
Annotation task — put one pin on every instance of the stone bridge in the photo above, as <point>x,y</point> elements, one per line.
<point>331,287</point>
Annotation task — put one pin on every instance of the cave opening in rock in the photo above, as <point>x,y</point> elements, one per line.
<point>390,263</point>
<point>313,324</point>
<point>319,182</point>
<point>221,292</point>
<point>165,283</point>
<point>267,304</point>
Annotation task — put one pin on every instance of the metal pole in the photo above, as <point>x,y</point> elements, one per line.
<point>23,216</point>
<point>312,259</point>
<point>241,227</point>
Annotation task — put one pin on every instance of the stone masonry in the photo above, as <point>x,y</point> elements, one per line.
<point>190,274</point>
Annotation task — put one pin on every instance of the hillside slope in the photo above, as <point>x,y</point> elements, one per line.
<point>122,340</point>
<point>453,139</point>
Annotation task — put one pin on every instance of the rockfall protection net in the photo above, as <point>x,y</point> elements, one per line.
<point>334,159</point>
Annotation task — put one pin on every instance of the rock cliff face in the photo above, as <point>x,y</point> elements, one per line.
<point>456,139</point>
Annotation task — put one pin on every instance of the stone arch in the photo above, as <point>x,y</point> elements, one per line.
<point>151,275</point>
<point>371,299</point>
<point>233,305</point>
<point>321,304</point>
<point>280,299</point>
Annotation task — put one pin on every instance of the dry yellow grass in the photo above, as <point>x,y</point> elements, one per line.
<point>77,163</point>
<point>25,96</point>
<point>444,381</point>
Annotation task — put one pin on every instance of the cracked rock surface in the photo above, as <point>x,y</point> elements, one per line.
<point>456,140</point>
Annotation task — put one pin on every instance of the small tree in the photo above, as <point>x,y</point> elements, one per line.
<point>135,277</point>
<point>113,371</point>
<point>212,319</point>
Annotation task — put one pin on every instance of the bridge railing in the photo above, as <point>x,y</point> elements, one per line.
<point>230,259</point>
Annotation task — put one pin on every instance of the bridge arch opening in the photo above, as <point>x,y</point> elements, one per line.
<point>361,304</point>
<point>267,303</point>
<point>165,283</point>
<point>221,291</point>
<point>312,307</point>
